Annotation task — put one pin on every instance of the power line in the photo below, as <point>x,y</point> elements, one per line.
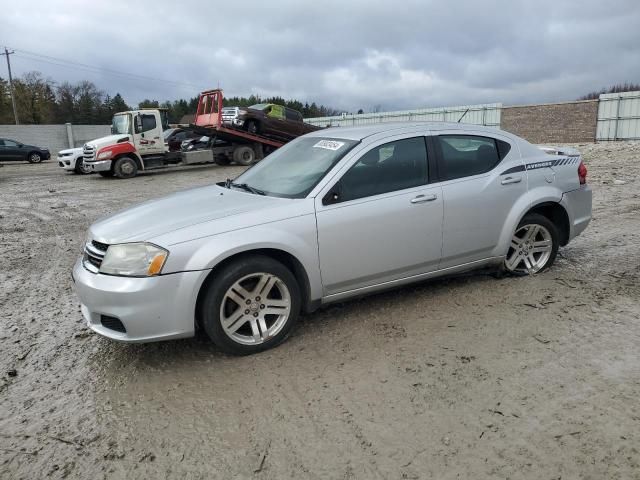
<point>37,57</point>
<point>13,95</point>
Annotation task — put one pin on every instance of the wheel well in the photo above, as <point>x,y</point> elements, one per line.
<point>288,260</point>
<point>558,215</point>
<point>130,155</point>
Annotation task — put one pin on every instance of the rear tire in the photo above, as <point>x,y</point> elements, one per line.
<point>34,157</point>
<point>125,167</point>
<point>223,160</point>
<point>251,305</point>
<point>244,155</point>
<point>533,247</point>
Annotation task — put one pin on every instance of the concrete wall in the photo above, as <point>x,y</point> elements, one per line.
<point>566,122</point>
<point>54,137</point>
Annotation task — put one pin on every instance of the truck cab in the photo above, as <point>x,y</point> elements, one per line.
<point>136,137</point>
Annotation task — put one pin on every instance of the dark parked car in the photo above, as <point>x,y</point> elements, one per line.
<point>14,150</point>
<point>174,137</point>
<point>268,119</point>
<point>199,143</point>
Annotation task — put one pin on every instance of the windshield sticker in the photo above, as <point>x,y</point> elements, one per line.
<point>329,144</point>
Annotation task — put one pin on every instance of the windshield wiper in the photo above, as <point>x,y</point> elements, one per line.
<point>245,187</point>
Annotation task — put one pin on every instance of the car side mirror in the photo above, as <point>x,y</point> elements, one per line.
<point>332,196</point>
<point>138,123</point>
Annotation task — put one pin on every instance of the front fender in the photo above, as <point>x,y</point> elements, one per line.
<point>295,236</point>
<point>519,209</point>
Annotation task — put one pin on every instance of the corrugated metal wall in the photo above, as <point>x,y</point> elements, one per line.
<point>486,114</point>
<point>619,116</point>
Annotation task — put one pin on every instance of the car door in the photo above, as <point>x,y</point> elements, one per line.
<point>293,123</point>
<point>12,150</point>
<point>148,135</point>
<point>482,177</point>
<point>277,121</point>
<point>381,221</point>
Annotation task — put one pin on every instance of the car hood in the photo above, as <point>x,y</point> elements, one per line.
<point>72,151</point>
<point>190,208</point>
<point>108,140</point>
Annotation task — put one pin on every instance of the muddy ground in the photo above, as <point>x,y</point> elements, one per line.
<point>470,377</point>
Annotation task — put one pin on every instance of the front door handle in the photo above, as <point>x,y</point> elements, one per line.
<point>424,198</point>
<point>510,180</point>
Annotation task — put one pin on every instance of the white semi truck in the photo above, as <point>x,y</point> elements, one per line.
<point>137,144</point>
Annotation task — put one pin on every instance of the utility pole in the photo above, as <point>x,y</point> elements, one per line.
<point>13,96</point>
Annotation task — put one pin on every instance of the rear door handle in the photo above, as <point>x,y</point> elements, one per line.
<point>424,198</point>
<point>509,180</point>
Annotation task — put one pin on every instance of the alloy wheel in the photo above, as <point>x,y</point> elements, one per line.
<point>530,249</point>
<point>255,308</point>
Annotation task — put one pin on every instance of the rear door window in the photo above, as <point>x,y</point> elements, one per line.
<point>468,155</point>
<point>293,116</point>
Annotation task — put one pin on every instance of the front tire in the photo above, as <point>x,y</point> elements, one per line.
<point>533,247</point>
<point>251,305</point>
<point>82,168</point>
<point>125,167</point>
<point>34,157</point>
<point>253,127</point>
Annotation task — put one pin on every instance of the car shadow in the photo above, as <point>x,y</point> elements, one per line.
<point>179,354</point>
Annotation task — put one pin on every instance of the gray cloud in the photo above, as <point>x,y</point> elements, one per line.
<point>350,55</point>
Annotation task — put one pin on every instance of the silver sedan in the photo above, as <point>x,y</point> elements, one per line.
<point>334,214</point>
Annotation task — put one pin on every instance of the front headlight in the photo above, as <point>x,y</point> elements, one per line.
<point>134,260</point>
<point>105,155</point>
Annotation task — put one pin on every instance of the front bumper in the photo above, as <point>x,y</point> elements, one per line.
<point>100,166</point>
<point>232,121</point>
<point>68,163</point>
<point>151,309</point>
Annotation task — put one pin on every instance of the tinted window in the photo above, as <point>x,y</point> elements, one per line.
<point>293,115</point>
<point>386,168</point>
<point>467,155</point>
<point>148,122</point>
<point>1,142</point>
<point>10,143</point>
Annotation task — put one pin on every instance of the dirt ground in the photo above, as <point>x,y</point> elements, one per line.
<point>469,377</point>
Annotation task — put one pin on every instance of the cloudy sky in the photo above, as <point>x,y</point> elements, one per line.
<point>347,54</point>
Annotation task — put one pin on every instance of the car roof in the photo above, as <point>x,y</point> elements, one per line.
<point>364,131</point>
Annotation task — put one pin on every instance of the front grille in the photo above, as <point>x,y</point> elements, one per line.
<point>112,323</point>
<point>88,152</point>
<point>94,252</point>
<point>100,246</point>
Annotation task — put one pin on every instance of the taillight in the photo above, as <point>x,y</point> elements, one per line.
<point>582,173</point>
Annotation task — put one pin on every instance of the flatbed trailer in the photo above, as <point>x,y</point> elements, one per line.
<point>137,142</point>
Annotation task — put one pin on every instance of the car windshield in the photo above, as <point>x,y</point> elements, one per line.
<point>259,106</point>
<point>121,124</point>
<point>294,169</point>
